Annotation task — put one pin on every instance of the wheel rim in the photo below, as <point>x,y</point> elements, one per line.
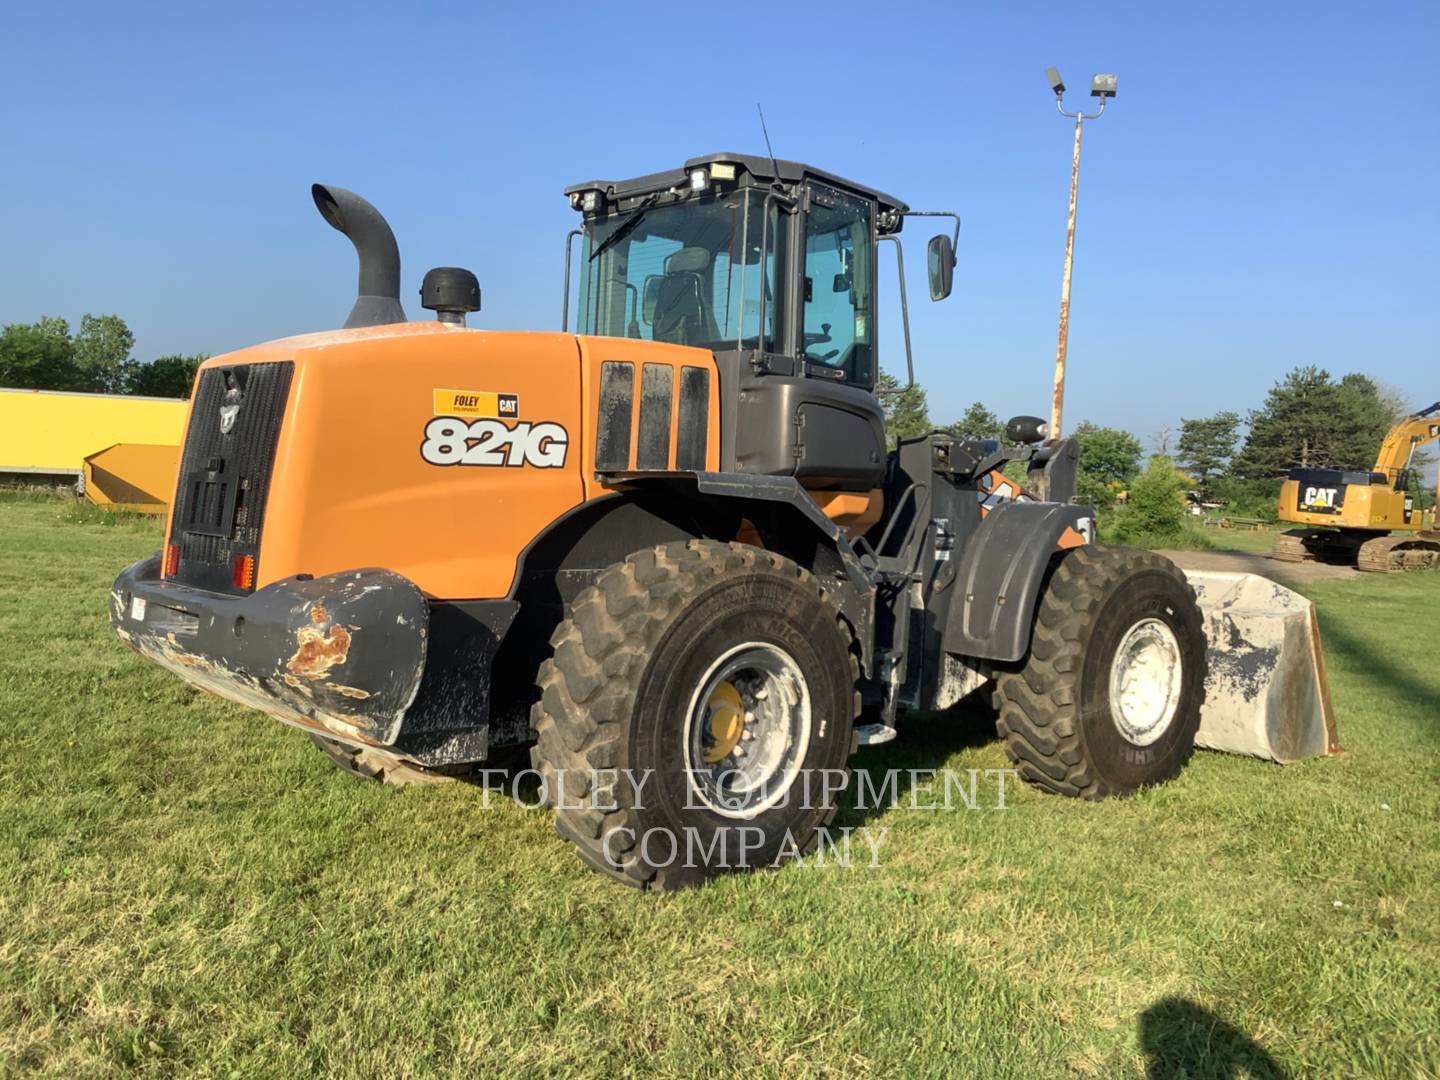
<point>746,730</point>
<point>1145,678</point>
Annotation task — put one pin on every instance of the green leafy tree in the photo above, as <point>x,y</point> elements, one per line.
<point>1206,447</point>
<point>907,412</point>
<point>39,356</point>
<point>54,326</point>
<point>1156,507</point>
<point>102,351</point>
<point>167,376</point>
<point>1366,420</point>
<point>978,422</point>
<point>1309,419</point>
<point>1109,461</point>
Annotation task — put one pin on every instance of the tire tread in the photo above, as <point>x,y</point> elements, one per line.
<point>1039,719</point>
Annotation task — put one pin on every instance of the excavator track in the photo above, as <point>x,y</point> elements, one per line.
<point>1386,554</point>
<point>1290,547</point>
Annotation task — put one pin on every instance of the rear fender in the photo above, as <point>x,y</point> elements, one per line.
<point>656,508</point>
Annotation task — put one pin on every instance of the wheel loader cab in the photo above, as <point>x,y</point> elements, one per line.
<point>771,267</point>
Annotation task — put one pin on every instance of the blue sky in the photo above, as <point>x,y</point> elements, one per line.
<point>1260,195</point>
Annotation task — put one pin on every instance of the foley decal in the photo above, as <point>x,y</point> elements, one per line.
<point>498,438</point>
<point>475,403</point>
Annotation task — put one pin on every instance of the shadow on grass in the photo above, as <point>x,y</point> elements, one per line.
<point>1183,1039</point>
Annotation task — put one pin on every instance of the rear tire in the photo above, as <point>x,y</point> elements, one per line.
<point>1108,701</point>
<point>632,687</point>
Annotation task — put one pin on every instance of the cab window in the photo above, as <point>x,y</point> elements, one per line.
<point>687,272</point>
<point>838,288</point>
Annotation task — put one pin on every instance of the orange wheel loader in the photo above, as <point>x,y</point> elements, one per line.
<point>671,546</point>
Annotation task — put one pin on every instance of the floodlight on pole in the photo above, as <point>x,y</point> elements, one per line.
<point>1102,87</point>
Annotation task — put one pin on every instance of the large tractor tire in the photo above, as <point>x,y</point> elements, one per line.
<point>717,679</point>
<point>1108,701</point>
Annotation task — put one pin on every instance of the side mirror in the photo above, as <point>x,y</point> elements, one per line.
<point>650,298</point>
<point>941,260</point>
<point>841,282</point>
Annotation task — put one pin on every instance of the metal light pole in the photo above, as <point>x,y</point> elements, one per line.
<point>1102,87</point>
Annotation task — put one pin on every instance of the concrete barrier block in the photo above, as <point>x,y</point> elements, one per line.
<point>1267,694</point>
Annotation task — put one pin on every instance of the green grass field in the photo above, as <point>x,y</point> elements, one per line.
<point>188,887</point>
<point>1243,539</point>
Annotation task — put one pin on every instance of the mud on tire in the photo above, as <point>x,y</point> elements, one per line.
<point>619,693</point>
<point>1059,723</point>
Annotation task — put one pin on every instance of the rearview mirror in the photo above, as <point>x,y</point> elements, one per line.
<point>650,298</point>
<point>941,261</point>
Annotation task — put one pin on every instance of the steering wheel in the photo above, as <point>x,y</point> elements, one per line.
<point>821,338</point>
<point>812,338</point>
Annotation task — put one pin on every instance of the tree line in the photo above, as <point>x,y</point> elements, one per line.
<point>47,355</point>
<point>1308,418</point>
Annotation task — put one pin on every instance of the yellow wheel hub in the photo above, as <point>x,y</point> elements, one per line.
<point>727,721</point>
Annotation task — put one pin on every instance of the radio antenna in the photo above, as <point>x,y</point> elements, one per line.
<point>766,132</point>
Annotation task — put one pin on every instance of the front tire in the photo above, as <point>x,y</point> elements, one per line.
<point>1108,701</point>
<point>719,681</point>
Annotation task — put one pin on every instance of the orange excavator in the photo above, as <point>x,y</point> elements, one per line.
<point>1367,518</point>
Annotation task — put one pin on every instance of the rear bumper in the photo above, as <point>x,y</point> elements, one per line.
<point>342,655</point>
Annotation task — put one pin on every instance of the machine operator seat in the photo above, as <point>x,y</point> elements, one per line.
<point>681,315</point>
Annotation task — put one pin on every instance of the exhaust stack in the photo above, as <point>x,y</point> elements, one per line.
<point>378,299</point>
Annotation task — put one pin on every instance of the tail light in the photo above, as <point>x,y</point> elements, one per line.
<point>242,572</point>
<point>171,564</point>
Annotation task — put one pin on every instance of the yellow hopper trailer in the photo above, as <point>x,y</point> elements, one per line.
<point>129,444</point>
<point>132,476</point>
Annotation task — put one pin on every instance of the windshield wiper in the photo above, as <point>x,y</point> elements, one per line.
<point>625,228</point>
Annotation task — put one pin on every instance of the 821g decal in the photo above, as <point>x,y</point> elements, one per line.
<point>449,440</point>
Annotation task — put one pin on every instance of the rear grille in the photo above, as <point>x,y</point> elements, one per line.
<point>225,475</point>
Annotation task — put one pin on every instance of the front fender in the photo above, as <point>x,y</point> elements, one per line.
<point>1000,575</point>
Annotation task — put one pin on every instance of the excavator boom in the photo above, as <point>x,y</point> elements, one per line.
<point>1407,436</point>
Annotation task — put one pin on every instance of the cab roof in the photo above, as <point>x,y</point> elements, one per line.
<point>763,170</point>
